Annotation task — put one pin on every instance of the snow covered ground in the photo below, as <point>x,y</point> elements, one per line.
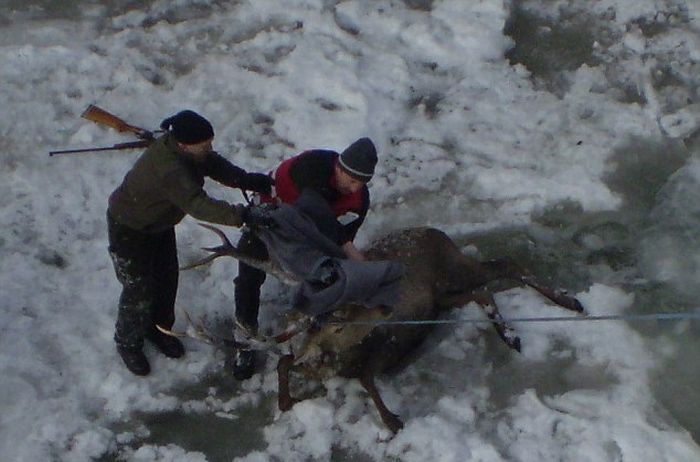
<point>563,133</point>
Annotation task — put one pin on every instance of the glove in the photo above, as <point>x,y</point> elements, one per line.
<point>259,216</point>
<point>260,182</point>
<point>239,211</point>
<point>318,321</point>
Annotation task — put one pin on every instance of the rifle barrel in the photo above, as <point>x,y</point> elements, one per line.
<point>116,147</point>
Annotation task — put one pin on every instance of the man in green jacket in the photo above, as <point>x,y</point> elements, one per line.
<point>165,184</point>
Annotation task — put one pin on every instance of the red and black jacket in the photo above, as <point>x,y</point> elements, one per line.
<point>316,169</point>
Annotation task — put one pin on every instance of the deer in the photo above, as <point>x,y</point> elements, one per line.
<point>356,342</point>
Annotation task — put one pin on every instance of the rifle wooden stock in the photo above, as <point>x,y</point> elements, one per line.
<point>116,147</point>
<point>102,117</point>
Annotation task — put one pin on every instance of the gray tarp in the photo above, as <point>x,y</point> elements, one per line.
<point>328,278</point>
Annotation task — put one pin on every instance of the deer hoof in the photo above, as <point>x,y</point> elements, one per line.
<point>285,403</point>
<point>508,337</point>
<point>570,303</point>
<point>393,422</point>
<point>515,344</point>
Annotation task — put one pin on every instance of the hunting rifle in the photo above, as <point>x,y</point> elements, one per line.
<point>102,117</point>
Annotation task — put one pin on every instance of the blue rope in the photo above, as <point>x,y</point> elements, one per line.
<point>610,317</point>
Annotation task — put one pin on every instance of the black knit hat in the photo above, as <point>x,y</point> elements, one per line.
<point>188,127</point>
<point>359,159</point>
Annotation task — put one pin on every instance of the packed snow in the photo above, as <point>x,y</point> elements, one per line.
<point>562,133</point>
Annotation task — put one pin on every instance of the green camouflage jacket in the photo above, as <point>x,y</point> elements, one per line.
<point>164,185</point>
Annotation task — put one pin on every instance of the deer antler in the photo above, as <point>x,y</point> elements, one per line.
<point>228,249</point>
<point>201,333</point>
<point>243,338</point>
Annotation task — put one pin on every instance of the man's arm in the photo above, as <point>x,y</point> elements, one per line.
<point>352,252</point>
<point>313,169</point>
<point>349,231</point>
<point>222,171</point>
<point>189,197</point>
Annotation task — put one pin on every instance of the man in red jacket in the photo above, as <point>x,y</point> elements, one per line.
<point>341,179</point>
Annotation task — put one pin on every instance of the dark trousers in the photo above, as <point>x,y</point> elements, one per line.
<point>146,265</point>
<point>249,280</point>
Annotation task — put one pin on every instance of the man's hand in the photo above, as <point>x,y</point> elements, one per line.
<point>259,216</point>
<point>352,252</point>
<point>260,182</point>
<point>239,211</point>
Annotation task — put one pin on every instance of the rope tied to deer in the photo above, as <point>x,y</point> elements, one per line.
<point>682,316</point>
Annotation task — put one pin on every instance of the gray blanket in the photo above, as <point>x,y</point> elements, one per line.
<point>328,278</point>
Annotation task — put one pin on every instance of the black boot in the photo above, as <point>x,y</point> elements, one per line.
<point>244,365</point>
<point>135,360</point>
<point>167,344</point>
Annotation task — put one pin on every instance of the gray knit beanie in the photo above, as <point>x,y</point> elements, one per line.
<point>359,159</point>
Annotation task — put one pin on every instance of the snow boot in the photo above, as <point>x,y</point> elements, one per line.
<point>168,345</point>
<point>135,360</point>
<point>244,365</point>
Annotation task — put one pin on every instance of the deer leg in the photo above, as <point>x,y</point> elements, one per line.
<point>485,300</point>
<point>390,419</point>
<point>284,399</point>
<point>507,268</point>
<point>557,296</point>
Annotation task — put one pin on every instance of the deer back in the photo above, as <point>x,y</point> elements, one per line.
<point>429,257</point>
